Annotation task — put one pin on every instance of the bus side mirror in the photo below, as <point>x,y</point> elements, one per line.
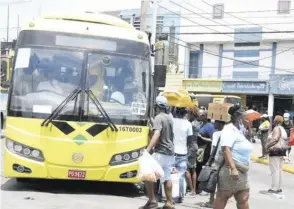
<point>159,75</point>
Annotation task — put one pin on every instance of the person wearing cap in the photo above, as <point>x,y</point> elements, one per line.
<point>287,124</point>
<point>163,152</point>
<point>263,129</point>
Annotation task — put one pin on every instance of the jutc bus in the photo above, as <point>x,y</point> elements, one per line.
<point>80,99</point>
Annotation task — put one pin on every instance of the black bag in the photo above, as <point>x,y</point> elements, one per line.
<point>209,175</point>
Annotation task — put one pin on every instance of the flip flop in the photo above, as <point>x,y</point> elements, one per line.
<point>167,207</point>
<point>206,205</point>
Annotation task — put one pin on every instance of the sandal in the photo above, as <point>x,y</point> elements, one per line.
<point>206,205</point>
<point>150,205</point>
<point>168,207</point>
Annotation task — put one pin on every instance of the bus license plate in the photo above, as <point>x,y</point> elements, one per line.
<point>76,174</point>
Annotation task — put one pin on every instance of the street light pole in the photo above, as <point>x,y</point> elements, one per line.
<point>153,30</point>
<point>17,26</point>
<point>7,38</point>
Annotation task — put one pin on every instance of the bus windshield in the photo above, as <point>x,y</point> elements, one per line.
<point>44,76</point>
<point>233,100</point>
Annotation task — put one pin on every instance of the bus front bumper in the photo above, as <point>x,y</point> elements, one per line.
<point>16,166</point>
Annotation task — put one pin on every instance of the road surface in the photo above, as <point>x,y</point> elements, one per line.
<point>89,195</point>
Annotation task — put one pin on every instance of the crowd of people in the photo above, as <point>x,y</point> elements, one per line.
<point>184,138</point>
<point>183,141</point>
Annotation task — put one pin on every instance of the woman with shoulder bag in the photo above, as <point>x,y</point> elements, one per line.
<point>233,161</point>
<point>276,148</point>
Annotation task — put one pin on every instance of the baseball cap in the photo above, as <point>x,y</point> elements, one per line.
<point>161,101</point>
<point>286,115</point>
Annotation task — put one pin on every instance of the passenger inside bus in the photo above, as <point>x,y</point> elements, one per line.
<point>115,81</point>
<point>54,82</point>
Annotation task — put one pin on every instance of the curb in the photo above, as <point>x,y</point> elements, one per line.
<point>286,168</point>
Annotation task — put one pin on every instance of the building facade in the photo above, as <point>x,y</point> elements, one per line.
<point>246,45</point>
<point>244,48</point>
<point>166,25</point>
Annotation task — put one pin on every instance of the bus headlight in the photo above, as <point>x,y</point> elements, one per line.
<point>24,151</point>
<point>126,157</point>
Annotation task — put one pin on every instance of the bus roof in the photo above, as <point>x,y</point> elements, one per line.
<point>214,95</point>
<point>88,24</point>
<point>91,18</point>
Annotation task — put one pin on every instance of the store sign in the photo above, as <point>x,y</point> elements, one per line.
<point>245,87</point>
<point>202,85</point>
<point>282,84</point>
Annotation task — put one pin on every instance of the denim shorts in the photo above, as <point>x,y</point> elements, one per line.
<point>181,163</point>
<point>166,162</point>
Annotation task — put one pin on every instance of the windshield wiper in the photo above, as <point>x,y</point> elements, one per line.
<point>61,106</point>
<point>101,109</point>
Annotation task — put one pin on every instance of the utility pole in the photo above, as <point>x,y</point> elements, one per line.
<point>7,38</point>
<point>153,30</point>
<point>144,15</point>
<point>17,26</point>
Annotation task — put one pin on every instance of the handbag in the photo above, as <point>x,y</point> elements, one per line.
<point>291,138</point>
<point>281,145</point>
<point>208,176</point>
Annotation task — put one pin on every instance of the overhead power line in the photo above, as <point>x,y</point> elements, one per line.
<point>258,36</point>
<point>223,33</point>
<point>212,29</point>
<point>218,25</point>
<point>239,17</point>
<point>208,19</point>
<point>229,58</point>
<point>197,22</point>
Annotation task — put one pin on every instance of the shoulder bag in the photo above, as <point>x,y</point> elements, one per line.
<point>209,175</point>
<point>281,144</point>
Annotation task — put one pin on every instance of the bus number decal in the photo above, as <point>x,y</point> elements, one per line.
<point>130,129</point>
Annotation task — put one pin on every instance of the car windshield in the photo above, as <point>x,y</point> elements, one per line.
<point>119,82</point>
<point>43,78</point>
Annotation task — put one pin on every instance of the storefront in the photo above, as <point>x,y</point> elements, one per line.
<point>282,88</point>
<point>202,86</point>
<point>254,94</point>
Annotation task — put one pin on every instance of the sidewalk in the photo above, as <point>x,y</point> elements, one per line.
<point>287,167</point>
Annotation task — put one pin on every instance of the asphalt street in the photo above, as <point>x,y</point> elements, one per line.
<point>90,195</point>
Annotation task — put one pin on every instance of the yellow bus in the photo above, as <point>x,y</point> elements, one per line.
<point>202,100</point>
<point>80,99</point>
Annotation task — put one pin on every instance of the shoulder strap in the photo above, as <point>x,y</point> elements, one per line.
<point>213,154</point>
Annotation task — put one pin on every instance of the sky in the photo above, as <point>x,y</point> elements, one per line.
<point>34,8</point>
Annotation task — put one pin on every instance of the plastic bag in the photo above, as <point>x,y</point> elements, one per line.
<point>291,138</point>
<point>149,169</point>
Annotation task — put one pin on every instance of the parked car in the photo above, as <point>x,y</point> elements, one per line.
<point>4,98</point>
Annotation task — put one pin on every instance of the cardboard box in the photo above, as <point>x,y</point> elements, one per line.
<point>218,111</point>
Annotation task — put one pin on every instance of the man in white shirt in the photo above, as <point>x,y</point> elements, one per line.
<point>54,85</point>
<point>183,132</point>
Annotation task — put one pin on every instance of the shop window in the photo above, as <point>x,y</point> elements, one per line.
<point>218,11</point>
<point>194,64</point>
<point>284,6</point>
